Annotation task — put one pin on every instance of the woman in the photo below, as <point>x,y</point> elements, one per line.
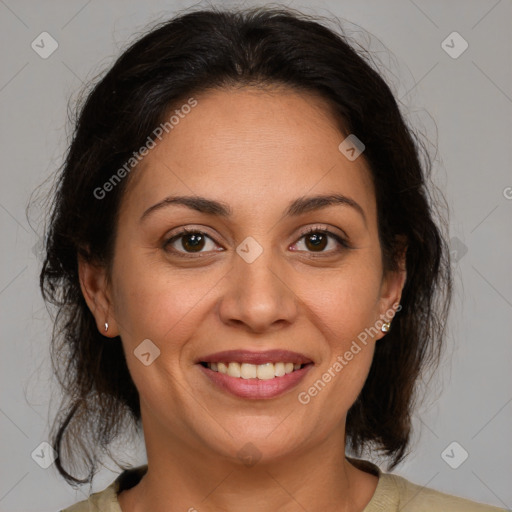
<point>247,265</point>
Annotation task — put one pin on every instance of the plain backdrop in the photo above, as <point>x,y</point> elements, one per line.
<point>462,102</point>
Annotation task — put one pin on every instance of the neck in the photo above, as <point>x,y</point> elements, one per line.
<point>181,478</point>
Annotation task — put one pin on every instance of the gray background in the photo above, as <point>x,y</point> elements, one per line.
<point>464,105</point>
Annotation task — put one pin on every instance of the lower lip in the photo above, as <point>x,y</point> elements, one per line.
<point>256,388</point>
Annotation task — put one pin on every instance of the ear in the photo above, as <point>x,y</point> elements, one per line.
<point>95,289</point>
<point>392,285</point>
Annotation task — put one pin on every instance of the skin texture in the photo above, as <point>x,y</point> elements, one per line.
<point>255,150</point>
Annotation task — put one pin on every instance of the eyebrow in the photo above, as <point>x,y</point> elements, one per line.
<point>297,207</point>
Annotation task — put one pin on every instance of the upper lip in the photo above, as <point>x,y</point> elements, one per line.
<point>247,356</point>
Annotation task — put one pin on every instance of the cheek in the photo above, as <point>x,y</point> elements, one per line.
<point>152,304</point>
<point>154,301</point>
<point>345,322</point>
<point>345,302</point>
<point>344,310</point>
<point>155,308</point>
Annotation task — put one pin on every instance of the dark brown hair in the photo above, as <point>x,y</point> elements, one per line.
<point>216,48</point>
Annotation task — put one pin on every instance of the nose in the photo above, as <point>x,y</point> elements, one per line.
<point>259,295</point>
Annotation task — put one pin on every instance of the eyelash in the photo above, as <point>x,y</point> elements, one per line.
<point>313,230</point>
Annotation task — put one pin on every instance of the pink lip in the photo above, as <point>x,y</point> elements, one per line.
<point>246,356</point>
<point>256,388</point>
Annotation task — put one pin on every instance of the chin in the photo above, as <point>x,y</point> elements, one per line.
<point>257,445</point>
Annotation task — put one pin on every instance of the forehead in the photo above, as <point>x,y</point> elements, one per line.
<point>254,147</point>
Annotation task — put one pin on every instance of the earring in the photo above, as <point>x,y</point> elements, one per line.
<point>385,327</point>
<point>106,326</point>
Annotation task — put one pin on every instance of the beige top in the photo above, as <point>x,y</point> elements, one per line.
<point>393,493</point>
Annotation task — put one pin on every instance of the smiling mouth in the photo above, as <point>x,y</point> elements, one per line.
<point>266,371</point>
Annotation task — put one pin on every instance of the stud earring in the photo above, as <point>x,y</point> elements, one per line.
<point>106,326</point>
<point>385,327</point>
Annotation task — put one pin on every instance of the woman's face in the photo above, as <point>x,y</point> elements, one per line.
<point>251,281</point>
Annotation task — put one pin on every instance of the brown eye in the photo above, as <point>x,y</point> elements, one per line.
<point>193,242</point>
<point>317,240</point>
<point>189,242</point>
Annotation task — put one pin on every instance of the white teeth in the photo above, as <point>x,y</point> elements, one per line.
<point>248,371</point>
<point>279,369</point>
<point>265,371</point>
<point>234,370</point>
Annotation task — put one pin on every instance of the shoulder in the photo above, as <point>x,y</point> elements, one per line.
<point>411,497</point>
<point>103,501</point>
<point>106,500</point>
<point>395,493</point>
